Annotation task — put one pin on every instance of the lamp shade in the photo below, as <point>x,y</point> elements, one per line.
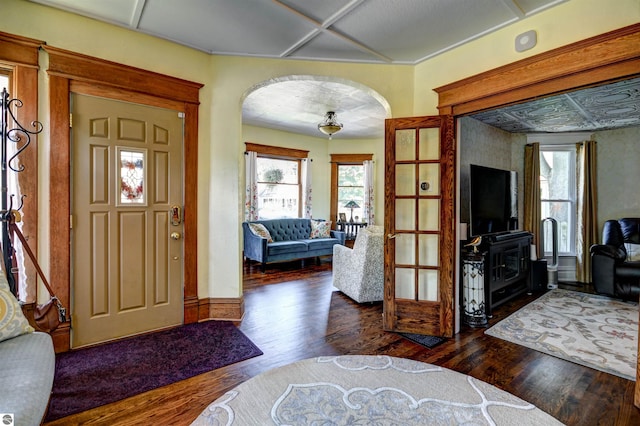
<point>352,205</point>
<point>330,125</point>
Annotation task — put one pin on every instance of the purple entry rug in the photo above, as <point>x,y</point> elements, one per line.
<point>95,376</point>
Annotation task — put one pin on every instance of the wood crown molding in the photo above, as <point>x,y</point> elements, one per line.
<point>607,57</point>
<point>75,66</point>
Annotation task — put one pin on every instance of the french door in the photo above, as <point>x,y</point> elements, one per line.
<point>419,221</point>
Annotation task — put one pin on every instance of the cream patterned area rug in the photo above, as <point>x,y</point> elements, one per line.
<point>590,330</point>
<point>363,390</point>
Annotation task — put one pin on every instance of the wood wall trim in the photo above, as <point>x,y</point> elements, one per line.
<point>607,57</point>
<point>350,158</point>
<point>18,50</point>
<point>84,75</point>
<point>75,66</point>
<point>276,151</point>
<point>231,309</point>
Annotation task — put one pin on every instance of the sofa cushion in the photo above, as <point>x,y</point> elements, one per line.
<point>282,247</point>
<point>321,243</point>
<point>628,270</point>
<point>28,367</point>
<point>633,252</point>
<point>288,229</point>
<point>12,321</point>
<point>260,230</point>
<point>320,229</point>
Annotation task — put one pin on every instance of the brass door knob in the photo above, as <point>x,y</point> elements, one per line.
<point>175,235</point>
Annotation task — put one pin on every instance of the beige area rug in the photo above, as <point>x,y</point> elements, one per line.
<point>590,330</point>
<point>363,390</point>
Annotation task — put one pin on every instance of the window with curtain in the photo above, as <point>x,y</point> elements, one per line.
<point>278,182</point>
<point>558,196</point>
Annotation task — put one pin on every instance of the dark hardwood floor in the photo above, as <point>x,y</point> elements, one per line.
<point>293,313</point>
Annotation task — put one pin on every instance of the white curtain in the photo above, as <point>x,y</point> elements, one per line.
<point>251,187</point>
<point>368,210</point>
<point>306,189</point>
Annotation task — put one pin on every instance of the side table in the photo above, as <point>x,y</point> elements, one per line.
<point>474,313</point>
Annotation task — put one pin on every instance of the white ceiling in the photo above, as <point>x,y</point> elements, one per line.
<point>362,31</point>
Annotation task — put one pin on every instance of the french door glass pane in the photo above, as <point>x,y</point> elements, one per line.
<point>429,214</point>
<point>405,214</point>
<point>429,179</point>
<point>405,145</point>
<point>405,179</point>
<point>405,249</point>
<point>405,283</point>
<point>428,285</point>
<point>428,250</point>
<point>429,144</point>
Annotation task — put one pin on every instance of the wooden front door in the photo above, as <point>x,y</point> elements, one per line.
<point>127,251</point>
<point>419,222</point>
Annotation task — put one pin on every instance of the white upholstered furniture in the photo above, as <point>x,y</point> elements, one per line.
<point>27,363</point>
<point>359,272</point>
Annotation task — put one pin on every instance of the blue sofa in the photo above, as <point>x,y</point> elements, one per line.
<point>290,241</point>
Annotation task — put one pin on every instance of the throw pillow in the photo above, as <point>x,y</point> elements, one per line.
<point>260,230</point>
<point>633,252</point>
<point>320,229</point>
<point>12,321</point>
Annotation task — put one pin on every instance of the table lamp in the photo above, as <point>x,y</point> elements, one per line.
<point>352,205</point>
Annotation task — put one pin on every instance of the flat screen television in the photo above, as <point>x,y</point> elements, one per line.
<point>493,196</point>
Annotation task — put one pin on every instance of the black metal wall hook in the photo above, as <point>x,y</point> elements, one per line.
<point>11,131</point>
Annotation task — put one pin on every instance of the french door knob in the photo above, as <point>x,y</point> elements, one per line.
<point>175,235</point>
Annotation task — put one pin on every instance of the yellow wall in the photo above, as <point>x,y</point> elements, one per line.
<point>228,79</point>
<point>566,23</point>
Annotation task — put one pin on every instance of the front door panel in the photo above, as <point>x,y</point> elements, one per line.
<point>127,180</point>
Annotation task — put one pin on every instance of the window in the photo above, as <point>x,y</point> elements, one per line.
<point>350,188</point>
<point>558,196</point>
<point>278,181</point>
<point>347,184</point>
<point>278,188</point>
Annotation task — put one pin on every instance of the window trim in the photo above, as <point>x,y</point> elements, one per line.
<point>340,160</point>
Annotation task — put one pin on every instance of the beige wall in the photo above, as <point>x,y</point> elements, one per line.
<point>407,89</point>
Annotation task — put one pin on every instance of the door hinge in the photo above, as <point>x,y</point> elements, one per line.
<point>70,119</point>
<point>70,221</point>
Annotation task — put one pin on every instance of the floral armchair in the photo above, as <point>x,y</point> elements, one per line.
<point>359,272</point>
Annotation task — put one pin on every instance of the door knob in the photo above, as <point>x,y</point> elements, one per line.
<point>175,235</point>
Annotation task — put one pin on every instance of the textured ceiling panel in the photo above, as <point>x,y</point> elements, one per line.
<point>299,104</point>
<point>328,45</point>
<point>118,12</point>
<point>598,108</point>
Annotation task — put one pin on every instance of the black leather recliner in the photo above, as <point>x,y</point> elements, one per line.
<point>612,272</point>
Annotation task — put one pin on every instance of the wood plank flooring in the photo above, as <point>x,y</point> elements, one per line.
<point>294,313</point>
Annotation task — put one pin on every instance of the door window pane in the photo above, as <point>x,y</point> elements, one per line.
<point>132,177</point>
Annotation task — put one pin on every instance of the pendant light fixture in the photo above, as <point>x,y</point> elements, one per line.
<point>330,125</point>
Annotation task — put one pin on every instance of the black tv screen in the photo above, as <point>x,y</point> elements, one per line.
<point>491,200</point>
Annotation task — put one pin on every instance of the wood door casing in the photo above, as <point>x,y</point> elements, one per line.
<point>419,312</point>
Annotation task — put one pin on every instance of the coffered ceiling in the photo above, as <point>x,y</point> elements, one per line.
<point>362,31</point>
